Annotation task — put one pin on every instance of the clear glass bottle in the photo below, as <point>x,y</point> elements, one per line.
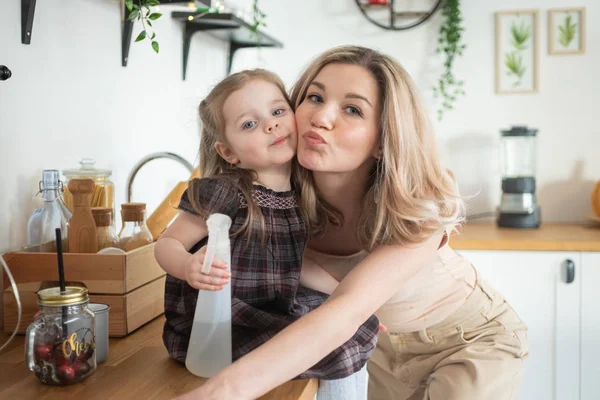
<point>105,230</point>
<point>54,214</point>
<point>60,343</point>
<point>104,189</point>
<point>134,232</point>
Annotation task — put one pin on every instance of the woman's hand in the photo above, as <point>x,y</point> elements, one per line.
<point>217,277</point>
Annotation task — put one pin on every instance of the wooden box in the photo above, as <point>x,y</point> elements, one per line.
<point>132,284</point>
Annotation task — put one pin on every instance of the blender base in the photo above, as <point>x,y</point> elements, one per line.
<point>520,221</point>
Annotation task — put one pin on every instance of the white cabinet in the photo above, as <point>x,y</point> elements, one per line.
<point>534,283</point>
<point>590,326</point>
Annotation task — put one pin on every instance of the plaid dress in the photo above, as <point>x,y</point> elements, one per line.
<point>266,295</point>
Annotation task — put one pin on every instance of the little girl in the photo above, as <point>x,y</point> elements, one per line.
<point>247,159</point>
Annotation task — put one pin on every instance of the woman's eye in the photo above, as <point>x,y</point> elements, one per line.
<point>279,111</point>
<point>249,124</point>
<point>353,110</point>
<point>315,98</point>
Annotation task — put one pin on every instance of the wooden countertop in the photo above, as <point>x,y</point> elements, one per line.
<point>138,367</point>
<point>549,237</point>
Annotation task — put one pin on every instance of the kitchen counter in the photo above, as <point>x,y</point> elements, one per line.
<point>138,367</point>
<point>549,237</point>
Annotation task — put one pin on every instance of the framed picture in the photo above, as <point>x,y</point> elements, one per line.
<point>517,51</point>
<point>566,31</point>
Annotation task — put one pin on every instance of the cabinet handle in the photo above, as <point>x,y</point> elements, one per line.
<point>570,269</point>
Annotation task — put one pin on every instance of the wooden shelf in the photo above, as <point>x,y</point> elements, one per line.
<point>225,26</point>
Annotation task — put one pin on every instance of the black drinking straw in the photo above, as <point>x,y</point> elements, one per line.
<point>61,276</point>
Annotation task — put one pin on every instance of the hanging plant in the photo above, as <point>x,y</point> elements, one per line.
<point>448,87</point>
<point>258,20</point>
<point>141,10</point>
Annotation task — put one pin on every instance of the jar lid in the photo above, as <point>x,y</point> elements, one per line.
<point>102,216</point>
<point>133,211</point>
<point>519,130</point>
<point>53,297</point>
<point>86,170</point>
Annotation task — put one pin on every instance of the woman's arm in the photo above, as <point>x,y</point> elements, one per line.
<point>294,350</point>
<point>314,277</point>
<point>172,253</point>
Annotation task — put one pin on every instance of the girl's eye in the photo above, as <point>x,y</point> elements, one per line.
<point>315,98</point>
<point>279,111</point>
<point>353,110</point>
<point>249,124</point>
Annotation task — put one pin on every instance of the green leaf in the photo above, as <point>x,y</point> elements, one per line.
<point>141,36</point>
<point>153,35</point>
<point>154,16</point>
<point>567,32</point>
<point>129,4</point>
<point>149,23</point>
<point>152,3</point>
<point>155,45</point>
<point>134,14</point>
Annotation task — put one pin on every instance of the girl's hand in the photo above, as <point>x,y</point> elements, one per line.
<point>214,280</point>
<point>382,328</point>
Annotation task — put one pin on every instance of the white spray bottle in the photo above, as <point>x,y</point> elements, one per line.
<point>209,350</point>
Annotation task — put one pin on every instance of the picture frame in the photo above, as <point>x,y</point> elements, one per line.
<point>566,31</point>
<point>517,51</point>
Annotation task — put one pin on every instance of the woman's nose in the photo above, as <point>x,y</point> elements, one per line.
<point>323,118</point>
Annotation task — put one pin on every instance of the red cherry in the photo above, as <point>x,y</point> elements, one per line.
<point>81,368</point>
<point>43,352</point>
<point>60,359</point>
<point>86,355</point>
<point>66,372</point>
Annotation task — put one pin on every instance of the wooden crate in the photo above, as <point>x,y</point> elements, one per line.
<point>132,284</point>
<point>127,311</point>
<point>101,273</point>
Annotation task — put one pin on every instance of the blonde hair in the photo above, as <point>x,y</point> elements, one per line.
<point>213,130</point>
<point>417,197</point>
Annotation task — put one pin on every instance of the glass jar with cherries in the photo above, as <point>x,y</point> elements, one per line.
<point>60,343</point>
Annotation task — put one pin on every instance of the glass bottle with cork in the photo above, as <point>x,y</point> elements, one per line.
<point>134,232</point>
<point>104,189</point>
<point>105,230</point>
<point>53,214</point>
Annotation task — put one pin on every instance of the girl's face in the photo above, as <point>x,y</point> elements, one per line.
<point>260,129</point>
<point>338,120</point>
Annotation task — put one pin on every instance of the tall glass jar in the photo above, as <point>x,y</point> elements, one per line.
<point>104,190</point>
<point>54,214</point>
<point>60,343</point>
<point>134,232</point>
<point>105,230</point>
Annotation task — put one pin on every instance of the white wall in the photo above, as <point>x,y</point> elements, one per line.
<point>69,97</point>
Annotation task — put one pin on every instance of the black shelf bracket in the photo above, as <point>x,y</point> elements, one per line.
<point>27,11</point>
<point>227,27</point>
<point>233,47</point>
<point>190,29</point>
<point>126,31</point>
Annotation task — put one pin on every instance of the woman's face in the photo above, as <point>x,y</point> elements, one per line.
<point>338,120</point>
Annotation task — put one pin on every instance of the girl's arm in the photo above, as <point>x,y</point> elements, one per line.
<point>314,277</point>
<point>172,253</point>
<point>294,350</point>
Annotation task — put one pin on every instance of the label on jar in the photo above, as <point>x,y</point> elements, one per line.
<point>80,342</point>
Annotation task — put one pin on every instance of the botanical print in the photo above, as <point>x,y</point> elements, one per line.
<point>516,52</point>
<point>566,31</point>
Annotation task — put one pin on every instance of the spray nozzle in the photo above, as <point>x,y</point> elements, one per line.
<point>218,229</point>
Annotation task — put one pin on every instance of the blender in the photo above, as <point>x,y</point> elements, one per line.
<point>518,208</point>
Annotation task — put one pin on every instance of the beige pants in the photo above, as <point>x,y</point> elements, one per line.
<point>476,353</point>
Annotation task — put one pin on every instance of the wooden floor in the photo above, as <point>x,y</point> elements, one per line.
<point>138,367</point>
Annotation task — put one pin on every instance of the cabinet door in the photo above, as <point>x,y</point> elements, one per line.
<point>590,325</point>
<point>535,285</point>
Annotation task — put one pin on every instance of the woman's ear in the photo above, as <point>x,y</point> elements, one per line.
<point>378,153</point>
<point>226,153</point>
